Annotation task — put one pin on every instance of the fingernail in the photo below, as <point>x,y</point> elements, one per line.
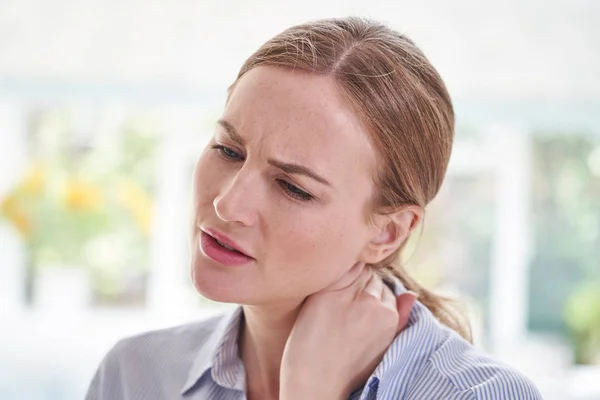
<point>412,293</point>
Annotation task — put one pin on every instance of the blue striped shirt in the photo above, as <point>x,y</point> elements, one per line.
<point>200,361</point>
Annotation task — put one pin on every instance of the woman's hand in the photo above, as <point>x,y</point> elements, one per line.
<point>340,336</point>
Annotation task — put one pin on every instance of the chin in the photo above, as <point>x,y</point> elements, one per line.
<point>214,292</point>
<point>222,285</point>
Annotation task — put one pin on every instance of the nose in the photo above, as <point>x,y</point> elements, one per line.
<point>237,201</point>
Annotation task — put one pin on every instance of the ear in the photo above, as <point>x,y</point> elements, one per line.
<point>389,232</point>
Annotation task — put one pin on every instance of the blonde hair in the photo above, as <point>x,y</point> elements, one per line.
<point>402,101</point>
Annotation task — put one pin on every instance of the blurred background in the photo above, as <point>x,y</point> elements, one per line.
<point>105,106</point>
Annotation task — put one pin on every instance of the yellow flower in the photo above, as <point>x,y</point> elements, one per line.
<point>22,223</point>
<point>15,214</point>
<point>34,179</point>
<point>9,204</point>
<point>82,196</point>
<point>137,202</point>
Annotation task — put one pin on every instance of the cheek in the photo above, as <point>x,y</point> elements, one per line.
<point>315,250</point>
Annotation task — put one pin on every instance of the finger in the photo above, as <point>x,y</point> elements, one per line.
<point>405,303</point>
<point>348,278</point>
<point>389,299</point>
<point>374,287</point>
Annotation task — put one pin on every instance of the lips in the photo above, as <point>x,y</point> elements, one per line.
<point>222,249</point>
<point>225,241</point>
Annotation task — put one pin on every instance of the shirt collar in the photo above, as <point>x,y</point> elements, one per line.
<point>219,354</point>
<point>408,349</point>
<point>370,389</point>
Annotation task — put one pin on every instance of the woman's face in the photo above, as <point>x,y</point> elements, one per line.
<point>288,177</point>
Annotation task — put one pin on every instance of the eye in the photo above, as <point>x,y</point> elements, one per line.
<point>294,191</point>
<point>226,152</point>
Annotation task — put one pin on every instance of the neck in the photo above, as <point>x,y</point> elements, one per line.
<point>263,336</point>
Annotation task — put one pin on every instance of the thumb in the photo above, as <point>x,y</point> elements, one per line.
<point>404,304</point>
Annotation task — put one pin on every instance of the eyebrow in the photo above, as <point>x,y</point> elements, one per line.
<point>290,168</point>
<point>233,135</point>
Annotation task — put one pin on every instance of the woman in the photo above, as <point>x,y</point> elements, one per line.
<point>335,136</point>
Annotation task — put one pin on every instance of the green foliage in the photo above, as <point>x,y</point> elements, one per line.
<point>582,315</point>
<point>566,215</point>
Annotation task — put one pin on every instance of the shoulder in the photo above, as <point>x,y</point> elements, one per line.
<point>172,345</point>
<point>430,361</point>
<point>156,357</point>
<point>472,371</point>
<point>174,340</point>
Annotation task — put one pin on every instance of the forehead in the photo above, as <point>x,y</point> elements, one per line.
<point>300,117</point>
